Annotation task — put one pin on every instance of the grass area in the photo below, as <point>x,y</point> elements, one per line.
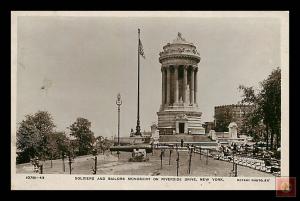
<point>110,165</point>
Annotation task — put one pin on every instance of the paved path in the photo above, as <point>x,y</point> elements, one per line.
<point>110,165</point>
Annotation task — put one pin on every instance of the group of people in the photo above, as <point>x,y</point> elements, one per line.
<point>36,164</point>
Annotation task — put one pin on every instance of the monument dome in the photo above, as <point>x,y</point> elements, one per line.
<point>179,49</point>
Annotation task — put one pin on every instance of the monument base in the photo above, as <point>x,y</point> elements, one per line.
<point>180,121</point>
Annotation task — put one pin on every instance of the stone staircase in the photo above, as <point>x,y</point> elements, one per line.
<point>185,137</point>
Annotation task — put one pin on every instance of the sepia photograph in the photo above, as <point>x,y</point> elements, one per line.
<point>149,100</point>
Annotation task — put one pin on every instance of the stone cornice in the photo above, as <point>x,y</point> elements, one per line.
<point>233,105</point>
<point>177,44</point>
<point>179,56</point>
<point>172,112</point>
<point>177,66</point>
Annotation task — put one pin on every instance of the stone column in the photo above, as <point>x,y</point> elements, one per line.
<point>168,85</point>
<point>184,83</point>
<point>186,130</point>
<point>163,85</point>
<point>196,84</point>
<point>176,94</point>
<point>192,87</point>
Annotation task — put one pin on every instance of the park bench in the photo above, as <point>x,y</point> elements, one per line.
<point>263,168</point>
<point>258,167</point>
<point>276,174</point>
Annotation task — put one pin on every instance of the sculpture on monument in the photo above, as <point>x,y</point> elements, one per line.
<point>233,130</point>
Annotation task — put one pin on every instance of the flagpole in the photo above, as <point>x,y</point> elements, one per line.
<point>138,129</point>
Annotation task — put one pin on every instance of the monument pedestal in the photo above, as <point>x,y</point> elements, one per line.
<point>175,121</point>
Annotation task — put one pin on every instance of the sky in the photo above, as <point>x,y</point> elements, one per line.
<point>75,66</point>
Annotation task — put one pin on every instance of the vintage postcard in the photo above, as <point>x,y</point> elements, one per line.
<point>149,100</point>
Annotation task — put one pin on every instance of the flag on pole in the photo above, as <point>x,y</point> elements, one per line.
<point>141,49</point>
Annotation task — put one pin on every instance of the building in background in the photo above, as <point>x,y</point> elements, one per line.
<point>225,114</point>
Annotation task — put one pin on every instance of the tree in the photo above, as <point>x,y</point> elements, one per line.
<point>98,143</point>
<point>106,144</point>
<point>253,126</point>
<point>65,147</point>
<point>58,144</point>
<point>271,105</point>
<point>102,144</point>
<point>52,147</point>
<point>61,142</point>
<point>32,136</point>
<point>223,119</point>
<point>267,104</point>
<point>81,130</point>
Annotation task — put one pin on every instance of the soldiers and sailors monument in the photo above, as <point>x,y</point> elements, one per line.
<point>179,113</point>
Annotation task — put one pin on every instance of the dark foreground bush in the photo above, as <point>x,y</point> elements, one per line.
<point>22,157</point>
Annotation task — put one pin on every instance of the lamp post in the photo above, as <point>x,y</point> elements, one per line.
<point>95,153</point>
<point>234,168</point>
<point>119,103</point>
